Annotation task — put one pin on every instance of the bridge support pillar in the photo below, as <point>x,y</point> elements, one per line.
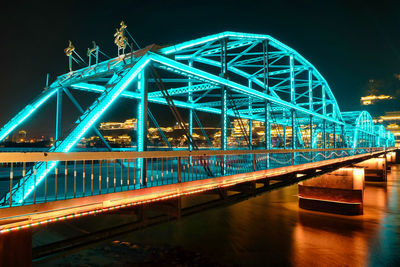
<point>375,169</point>
<point>392,157</point>
<point>16,248</point>
<point>340,191</point>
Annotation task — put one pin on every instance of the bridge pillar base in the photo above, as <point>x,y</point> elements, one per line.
<point>393,157</point>
<point>375,169</point>
<point>16,248</point>
<point>340,192</point>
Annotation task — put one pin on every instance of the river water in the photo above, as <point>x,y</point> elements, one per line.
<point>267,230</point>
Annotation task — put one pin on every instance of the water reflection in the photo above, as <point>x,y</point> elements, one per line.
<point>316,246</point>
<point>362,240</point>
<point>271,230</point>
<point>386,247</point>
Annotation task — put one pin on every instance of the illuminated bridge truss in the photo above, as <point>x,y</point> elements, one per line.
<point>247,77</point>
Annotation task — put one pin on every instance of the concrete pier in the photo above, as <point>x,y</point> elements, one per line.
<point>340,191</point>
<point>375,169</point>
<point>392,158</point>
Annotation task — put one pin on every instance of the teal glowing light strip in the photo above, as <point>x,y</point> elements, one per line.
<point>26,112</point>
<point>233,85</point>
<point>274,42</point>
<point>108,96</point>
<point>95,111</point>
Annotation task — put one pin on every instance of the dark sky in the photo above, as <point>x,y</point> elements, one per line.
<point>350,42</point>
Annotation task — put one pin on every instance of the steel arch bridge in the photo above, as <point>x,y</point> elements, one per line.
<point>247,77</point>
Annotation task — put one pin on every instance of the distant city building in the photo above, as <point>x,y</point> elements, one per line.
<point>123,134</point>
<point>129,124</point>
<point>371,99</point>
<point>117,134</point>
<point>22,139</point>
<point>21,136</point>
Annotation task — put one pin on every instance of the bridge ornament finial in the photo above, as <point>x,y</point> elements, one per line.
<point>120,39</point>
<point>94,51</point>
<point>91,50</point>
<point>68,52</point>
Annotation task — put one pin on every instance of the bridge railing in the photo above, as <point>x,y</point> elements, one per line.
<point>83,174</point>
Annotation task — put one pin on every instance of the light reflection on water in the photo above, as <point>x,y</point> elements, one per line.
<point>271,230</point>
<point>386,246</point>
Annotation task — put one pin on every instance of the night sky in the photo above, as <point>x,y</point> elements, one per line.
<point>349,43</point>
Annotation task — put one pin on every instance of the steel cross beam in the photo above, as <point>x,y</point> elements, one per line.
<point>80,109</point>
<point>133,95</point>
<point>236,71</point>
<point>218,103</point>
<point>94,88</point>
<point>184,90</point>
<point>174,66</point>
<point>176,49</point>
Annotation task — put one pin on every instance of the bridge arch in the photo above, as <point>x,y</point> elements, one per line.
<point>380,135</point>
<point>361,129</point>
<point>390,139</point>
<point>309,89</point>
<point>235,75</point>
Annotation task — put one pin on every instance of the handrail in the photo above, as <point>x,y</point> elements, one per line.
<point>9,157</point>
